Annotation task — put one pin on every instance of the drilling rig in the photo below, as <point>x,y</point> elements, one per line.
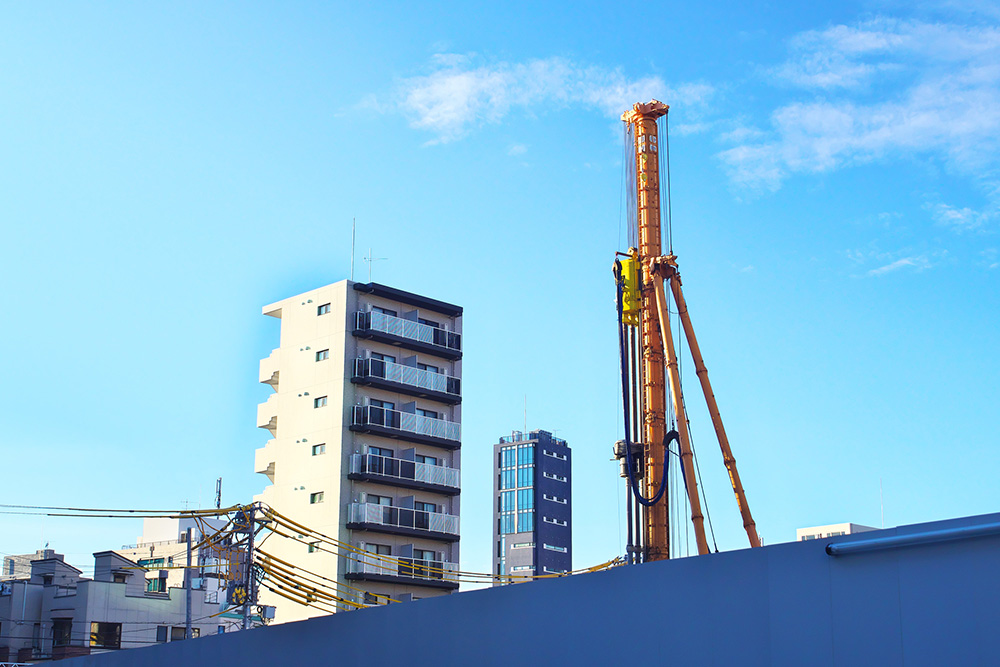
<point>649,361</point>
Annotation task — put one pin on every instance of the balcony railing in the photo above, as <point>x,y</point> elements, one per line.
<point>401,517</point>
<point>401,328</point>
<point>435,475</point>
<point>408,375</point>
<point>410,568</point>
<point>408,422</point>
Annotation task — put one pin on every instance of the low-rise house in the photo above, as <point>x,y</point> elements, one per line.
<point>57,613</point>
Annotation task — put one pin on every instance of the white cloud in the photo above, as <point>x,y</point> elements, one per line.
<point>517,149</point>
<point>960,219</point>
<point>919,262</point>
<point>939,94</point>
<point>459,95</point>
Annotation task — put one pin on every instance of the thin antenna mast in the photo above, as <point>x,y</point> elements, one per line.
<point>354,225</point>
<point>881,502</point>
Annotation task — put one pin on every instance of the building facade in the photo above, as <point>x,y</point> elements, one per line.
<point>365,421</point>
<point>56,613</point>
<point>162,549</point>
<point>532,509</point>
<point>832,530</point>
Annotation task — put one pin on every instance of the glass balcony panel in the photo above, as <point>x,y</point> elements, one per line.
<point>407,421</point>
<point>403,469</point>
<point>397,326</point>
<point>403,517</point>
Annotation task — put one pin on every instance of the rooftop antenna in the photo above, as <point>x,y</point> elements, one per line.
<point>354,224</point>
<point>526,413</point>
<point>218,492</point>
<point>370,261</point>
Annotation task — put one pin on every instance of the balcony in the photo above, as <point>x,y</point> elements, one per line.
<point>264,460</point>
<point>407,380</point>
<point>406,426</point>
<point>269,370</point>
<point>411,571</point>
<point>402,521</point>
<point>267,414</point>
<point>409,334</point>
<point>407,474</point>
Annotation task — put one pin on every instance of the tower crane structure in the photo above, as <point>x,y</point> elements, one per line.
<point>650,371</point>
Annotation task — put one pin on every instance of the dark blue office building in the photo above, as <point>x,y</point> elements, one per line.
<point>532,512</point>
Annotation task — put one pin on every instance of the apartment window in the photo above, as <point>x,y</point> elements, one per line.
<point>561,457</point>
<point>424,554</point>
<point>525,499</point>
<point>428,367</point>
<point>106,635</point>
<point>380,451</point>
<point>555,499</point>
<point>150,563</point>
<point>553,547</point>
<point>430,323</point>
<point>319,449</point>
<point>523,545</point>
<point>322,355</point>
<point>313,547</point>
<point>221,630</point>
<point>62,629</point>
<point>379,500</point>
<point>323,310</point>
<point>521,568</point>
<point>120,578</point>
<point>558,478</point>
<point>557,522</point>
<point>379,549</point>
<point>158,585</point>
<point>383,357</point>
<point>8,566</point>
<point>428,413</point>
<point>546,570</point>
<point>385,405</point>
<point>319,402</point>
<point>161,634</point>
<point>424,507</point>
<point>384,311</point>
<point>525,522</point>
<point>177,633</point>
<point>315,498</point>
<point>429,460</point>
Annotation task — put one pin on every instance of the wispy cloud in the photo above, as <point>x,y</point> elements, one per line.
<point>919,262</point>
<point>461,93</point>
<point>940,95</point>
<point>517,149</point>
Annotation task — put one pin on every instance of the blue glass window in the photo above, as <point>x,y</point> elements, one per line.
<point>525,522</point>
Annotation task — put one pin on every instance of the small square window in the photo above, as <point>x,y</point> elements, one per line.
<point>319,449</point>
<point>323,310</point>
<point>313,547</point>
<point>322,355</point>
<point>315,498</point>
<point>319,402</point>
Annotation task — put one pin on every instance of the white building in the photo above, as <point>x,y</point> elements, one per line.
<point>56,613</point>
<point>365,421</point>
<point>162,550</point>
<point>833,530</point>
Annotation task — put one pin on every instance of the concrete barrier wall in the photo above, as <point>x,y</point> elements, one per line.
<point>787,604</point>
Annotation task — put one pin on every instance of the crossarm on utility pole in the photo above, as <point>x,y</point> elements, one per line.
<point>713,409</point>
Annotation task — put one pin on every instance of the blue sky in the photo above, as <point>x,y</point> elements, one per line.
<point>836,196</point>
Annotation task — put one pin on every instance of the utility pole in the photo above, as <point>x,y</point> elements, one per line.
<point>187,590</point>
<point>251,597</point>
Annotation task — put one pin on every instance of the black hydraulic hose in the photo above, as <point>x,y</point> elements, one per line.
<point>672,435</point>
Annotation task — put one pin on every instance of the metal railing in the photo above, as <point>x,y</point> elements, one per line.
<point>397,326</point>
<point>412,568</point>
<point>410,375</point>
<point>401,517</point>
<point>407,421</point>
<point>403,469</point>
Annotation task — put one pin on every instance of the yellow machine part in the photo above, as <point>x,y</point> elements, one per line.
<point>631,290</point>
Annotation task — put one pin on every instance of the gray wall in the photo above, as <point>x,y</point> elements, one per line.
<point>787,604</point>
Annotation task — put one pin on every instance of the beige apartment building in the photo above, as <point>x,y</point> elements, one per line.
<point>365,421</point>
